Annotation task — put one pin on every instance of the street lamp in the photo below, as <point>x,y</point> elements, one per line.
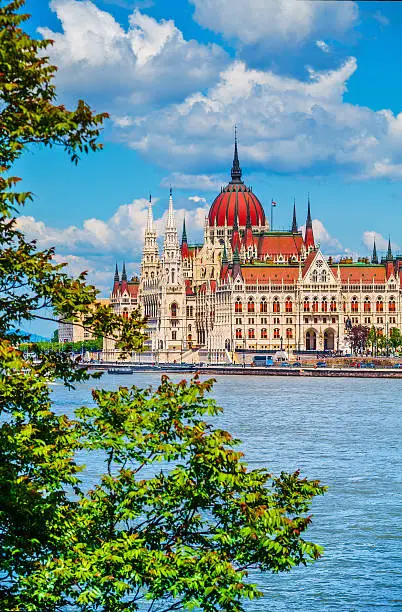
<point>281,343</point>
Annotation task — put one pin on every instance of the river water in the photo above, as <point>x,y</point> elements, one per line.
<point>346,433</point>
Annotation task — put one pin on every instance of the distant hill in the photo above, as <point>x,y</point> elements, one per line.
<point>32,337</point>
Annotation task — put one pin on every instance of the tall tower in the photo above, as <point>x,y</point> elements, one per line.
<point>171,258</point>
<point>309,235</point>
<point>150,262</point>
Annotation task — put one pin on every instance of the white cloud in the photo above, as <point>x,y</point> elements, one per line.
<point>285,125</point>
<point>197,199</point>
<point>321,44</point>
<point>381,243</point>
<point>272,23</point>
<point>203,182</point>
<point>95,55</point>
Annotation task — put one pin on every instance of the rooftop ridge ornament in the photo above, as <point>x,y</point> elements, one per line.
<point>236,170</point>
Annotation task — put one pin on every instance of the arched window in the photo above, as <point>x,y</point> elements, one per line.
<point>125,314</point>
<point>239,335</point>
<point>379,305</point>
<point>263,305</point>
<point>324,304</point>
<point>172,277</point>
<point>306,304</point>
<point>315,304</point>
<point>264,333</point>
<point>324,276</point>
<point>333,304</point>
<point>251,333</point>
<point>314,276</point>
<point>289,332</point>
<point>189,328</point>
<point>367,304</point>
<point>276,332</point>
<point>238,305</point>
<point>276,306</point>
<point>391,304</point>
<point>288,305</point>
<point>173,310</point>
<point>250,305</point>
<point>354,304</point>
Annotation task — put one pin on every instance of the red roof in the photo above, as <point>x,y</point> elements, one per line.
<point>236,197</point>
<point>189,289</point>
<point>307,262</point>
<point>264,274</point>
<point>361,274</point>
<point>275,244</point>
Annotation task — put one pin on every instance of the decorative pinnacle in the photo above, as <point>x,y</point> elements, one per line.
<point>150,218</point>
<point>236,170</point>
<point>389,252</point>
<point>374,257</point>
<point>225,255</point>
<point>294,223</point>
<point>309,222</point>
<point>236,256</point>
<point>170,223</point>
<point>116,274</point>
<point>124,273</point>
<point>184,234</point>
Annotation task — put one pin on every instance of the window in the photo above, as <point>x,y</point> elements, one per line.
<point>238,305</point>
<point>251,320</point>
<point>250,305</point>
<point>174,335</point>
<point>238,334</point>
<point>379,305</point>
<point>264,320</point>
<point>314,276</point>
<point>379,320</point>
<point>251,333</point>
<point>264,333</point>
<point>263,305</point>
<point>355,304</point>
<point>324,305</point>
<point>306,305</point>
<point>306,319</point>
<point>392,320</point>
<point>238,321</point>
<point>173,310</point>
<point>324,319</point>
<point>315,320</point>
<point>189,328</point>
<point>391,304</point>
<point>276,305</point>
<point>324,276</point>
<point>276,332</point>
<point>315,304</point>
<point>367,304</point>
<point>276,320</point>
<point>289,320</point>
<point>289,332</point>
<point>367,319</point>
<point>333,305</point>
<point>333,320</point>
<point>288,305</point>
<point>189,312</point>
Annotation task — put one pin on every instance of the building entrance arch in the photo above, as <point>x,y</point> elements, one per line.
<point>311,340</point>
<point>329,340</point>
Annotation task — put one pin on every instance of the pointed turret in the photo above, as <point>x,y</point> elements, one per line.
<point>150,217</point>
<point>248,239</point>
<point>184,244</point>
<point>116,281</point>
<point>374,257</point>
<point>170,222</point>
<point>224,263</point>
<point>309,235</point>
<point>224,255</point>
<point>236,270</point>
<point>236,242</point>
<point>294,222</point>
<point>124,273</point>
<point>389,252</point>
<point>236,170</point>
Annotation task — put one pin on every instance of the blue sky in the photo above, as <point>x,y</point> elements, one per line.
<point>314,88</point>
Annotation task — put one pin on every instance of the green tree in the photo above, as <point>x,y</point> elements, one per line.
<point>177,517</point>
<point>358,337</point>
<point>395,338</point>
<point>55,336</point>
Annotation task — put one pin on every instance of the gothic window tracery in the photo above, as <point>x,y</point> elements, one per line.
<point>367,304</point>
<point>355,304</point>
<point>288,305</point>
<point>263,305</point>
<point>391,304</point>
<point>324,304</point>
<point>250,305</point>
<point>379,304</point>
<point>333,304</point>
<point>276,306</point>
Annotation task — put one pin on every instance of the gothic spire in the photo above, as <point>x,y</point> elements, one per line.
<point>124,273</point>
<point>184,233</point>
<point>309,234</point>
<point>170,218</point>
<point>150,218</point>
<point>309,222</point>
<point>236,170</point>
<point>224,255</point>
<point>389,252</point>
<point>374,257</point>
<point>294,223</point>
<point>116,274</point>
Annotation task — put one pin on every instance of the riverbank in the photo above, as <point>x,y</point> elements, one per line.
<point>230,370</point>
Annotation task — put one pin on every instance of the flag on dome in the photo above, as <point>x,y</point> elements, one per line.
<point>273,203</point>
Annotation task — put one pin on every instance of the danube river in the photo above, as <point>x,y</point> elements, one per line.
<point>345,432</point>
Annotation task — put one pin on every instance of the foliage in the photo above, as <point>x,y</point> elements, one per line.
<point>176,518</point>
<point>357,338</point>
<point>65,347</point>
<point>55,336</point>
<point>395,338</point>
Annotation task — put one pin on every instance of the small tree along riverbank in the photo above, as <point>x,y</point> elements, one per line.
<point>184,537</point>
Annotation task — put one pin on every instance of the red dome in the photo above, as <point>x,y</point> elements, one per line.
<point>236,197</point>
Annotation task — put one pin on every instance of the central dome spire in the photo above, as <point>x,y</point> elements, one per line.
<point>236,170</point>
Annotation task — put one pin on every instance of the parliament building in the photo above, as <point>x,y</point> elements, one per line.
<point>249,288</point>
